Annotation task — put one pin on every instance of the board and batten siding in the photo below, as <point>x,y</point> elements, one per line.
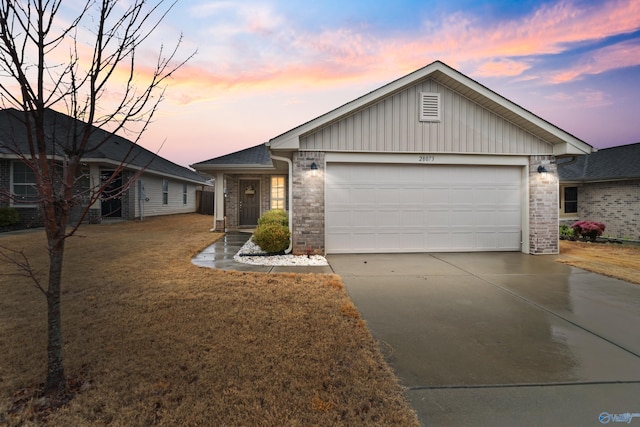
<point>153,191</point>
<point>393,125</point>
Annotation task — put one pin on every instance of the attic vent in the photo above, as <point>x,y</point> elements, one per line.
<point>429,107</point>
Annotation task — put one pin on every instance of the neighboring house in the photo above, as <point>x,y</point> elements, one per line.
<point>431,162</point>
<point>603,186</point>
<point>161,188</point>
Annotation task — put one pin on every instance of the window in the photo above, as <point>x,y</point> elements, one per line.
<point>569,202</point>
<point>277,192</point>
<point>24,184</point>
<point>429,107</point>
<point>165,192</point>
<point>184,194</point>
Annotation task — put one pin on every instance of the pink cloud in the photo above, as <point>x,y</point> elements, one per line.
<point>586,98</point>
<point>625,54</point>
<point>260,52</point>
<point>504,67</point>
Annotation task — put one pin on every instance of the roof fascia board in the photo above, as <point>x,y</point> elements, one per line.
<point>114,163</point>
<point>579,147</point>
<point>142,169</point>
<point>228,167</point>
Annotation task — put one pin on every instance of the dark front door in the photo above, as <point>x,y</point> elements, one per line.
<point>111,199</point>
<point>249,201</point>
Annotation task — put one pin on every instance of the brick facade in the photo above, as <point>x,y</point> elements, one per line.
<point>5,180</point>
<point>543,206</point>
<point>613,203</point>
<point>308,203</point>
<point>231,202</point>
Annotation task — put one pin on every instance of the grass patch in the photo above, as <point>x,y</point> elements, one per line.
<point>613,260</point>
<point>151,339</point>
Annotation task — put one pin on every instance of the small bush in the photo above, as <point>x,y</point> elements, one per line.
<point>588,229</point>
<point>272,237</point>
<point>567,233</point>
<point>8,217</point>
<point>277,216</point>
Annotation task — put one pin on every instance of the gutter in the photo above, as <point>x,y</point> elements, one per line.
<point>289,184</point>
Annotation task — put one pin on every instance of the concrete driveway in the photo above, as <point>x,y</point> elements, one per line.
<point>501,338</point>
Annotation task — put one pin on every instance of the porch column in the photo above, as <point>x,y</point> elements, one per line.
<point>95,210</point>
<point>218,206</point>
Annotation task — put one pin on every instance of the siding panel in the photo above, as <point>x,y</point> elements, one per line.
<point>392,125</point>
<point>153,191</point>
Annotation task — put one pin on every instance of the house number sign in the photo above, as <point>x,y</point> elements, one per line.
<point>426,159</point>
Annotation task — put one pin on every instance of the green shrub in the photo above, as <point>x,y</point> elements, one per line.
<point>8,216</point>
<point>277,216</point>
<point>567,233</point>
<point>272,237</point>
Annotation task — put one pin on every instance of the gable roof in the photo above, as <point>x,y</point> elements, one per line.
<point>60,129</point>
<point>608,164</point>
<point>563,142</point>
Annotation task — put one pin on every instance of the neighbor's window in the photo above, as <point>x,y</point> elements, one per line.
<point>570,196</point>
<point>184,194</point>
<point>277,192</point>
<point>24,184</point>
<point>165,192</point>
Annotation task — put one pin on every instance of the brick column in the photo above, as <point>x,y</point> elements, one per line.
<point>543,206</point>
<point>308,203</point>
<point>5,181</point>
<point>231,202</point>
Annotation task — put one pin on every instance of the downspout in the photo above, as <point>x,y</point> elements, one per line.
<point>289,182</point>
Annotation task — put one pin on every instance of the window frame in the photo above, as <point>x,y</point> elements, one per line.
<point>165,191</point>
<point>184,193</point>
<point>564,201</point>
<point>277,200</point>
<point>14,196</point>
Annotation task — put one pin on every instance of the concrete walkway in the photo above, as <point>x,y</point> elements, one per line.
<point>220,256</point>
<point>501,338</point>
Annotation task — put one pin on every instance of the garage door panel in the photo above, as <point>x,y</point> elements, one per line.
<point>422,208</point>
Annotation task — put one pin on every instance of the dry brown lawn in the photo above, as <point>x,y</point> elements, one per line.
<point>609,259</point>
<point>151,339</point>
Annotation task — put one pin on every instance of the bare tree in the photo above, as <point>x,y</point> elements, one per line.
<point>83,62</point>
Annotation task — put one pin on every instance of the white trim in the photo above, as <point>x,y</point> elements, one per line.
<point>219,200</point>
<point>525,246</point>
<point>427,159</point>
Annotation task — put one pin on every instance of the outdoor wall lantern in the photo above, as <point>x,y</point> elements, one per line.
<point>314,169</point>
<point>542,170</point>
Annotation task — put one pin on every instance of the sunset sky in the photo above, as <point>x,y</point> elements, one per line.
<point>265,66</point>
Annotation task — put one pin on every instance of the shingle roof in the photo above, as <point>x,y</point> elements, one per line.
<point>60,130</point>
<point>608,164</point>
<point>258,156</point>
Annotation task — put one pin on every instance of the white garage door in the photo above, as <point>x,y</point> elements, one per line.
<point>422,208</point>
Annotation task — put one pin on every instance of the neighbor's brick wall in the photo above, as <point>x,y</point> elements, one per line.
<point>5,180</point>
<point>543,206</point>
<point>616,204</point>
<point>308,203</point>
